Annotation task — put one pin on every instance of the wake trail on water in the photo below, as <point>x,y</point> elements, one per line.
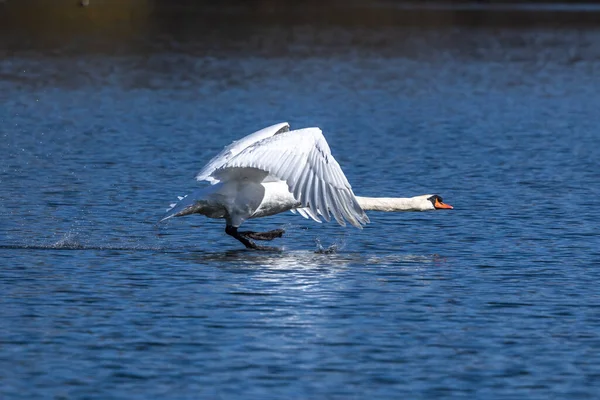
<point>83,247</point>
<point>72,241</point>
<point>75,239</point>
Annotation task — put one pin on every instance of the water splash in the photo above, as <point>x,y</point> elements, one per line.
<point>331,249</point>
<point>68,241</point>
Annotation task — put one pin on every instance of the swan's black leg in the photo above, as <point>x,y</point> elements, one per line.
<point>233,231</point>
<point>270,235</point>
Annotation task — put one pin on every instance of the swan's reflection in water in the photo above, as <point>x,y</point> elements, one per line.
<point>302,269</point>
<point>279,266</point>
<point>282,259</point>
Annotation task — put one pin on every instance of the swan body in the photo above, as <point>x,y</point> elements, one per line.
<point>276,170</point>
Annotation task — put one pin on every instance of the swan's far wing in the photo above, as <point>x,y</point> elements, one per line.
<point>237,147</point>
<point>306,213</point>
<point>303,160</point>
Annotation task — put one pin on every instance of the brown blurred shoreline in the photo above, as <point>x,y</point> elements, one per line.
<point>48,23</point>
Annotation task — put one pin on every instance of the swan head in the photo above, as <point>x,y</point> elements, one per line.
<point>435,202</point>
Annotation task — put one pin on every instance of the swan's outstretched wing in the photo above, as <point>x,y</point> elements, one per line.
<point>237,147</point>
<point>303,160</point>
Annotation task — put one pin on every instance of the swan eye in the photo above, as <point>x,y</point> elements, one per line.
<point>435,198</point>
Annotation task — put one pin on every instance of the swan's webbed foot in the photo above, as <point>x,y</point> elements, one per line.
<point>244,237</point>
<point>270,235</point>
<point>233,231</point>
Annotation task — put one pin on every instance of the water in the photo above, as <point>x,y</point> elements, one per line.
<point>495,299</point>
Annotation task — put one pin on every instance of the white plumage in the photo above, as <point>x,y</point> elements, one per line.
<point>303,160</point>
<point>237,147</point>
<point>275,170</point>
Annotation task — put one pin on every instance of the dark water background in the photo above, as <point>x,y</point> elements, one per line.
<point>101,131</point>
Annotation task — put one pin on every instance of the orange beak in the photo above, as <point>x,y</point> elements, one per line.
<point>440,205</point>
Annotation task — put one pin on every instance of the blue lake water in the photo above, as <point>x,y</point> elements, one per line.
<point>497,298</point>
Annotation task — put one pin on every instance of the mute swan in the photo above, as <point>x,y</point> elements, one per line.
<point>275,170</point>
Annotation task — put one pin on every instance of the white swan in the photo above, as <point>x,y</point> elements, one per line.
<point>276,170</point>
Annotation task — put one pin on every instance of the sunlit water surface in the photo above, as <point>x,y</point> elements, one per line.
<point>497,298</point>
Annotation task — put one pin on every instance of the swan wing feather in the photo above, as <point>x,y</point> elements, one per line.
<point>306,213</point>
<point>302,158</point>
<point>237,147</point>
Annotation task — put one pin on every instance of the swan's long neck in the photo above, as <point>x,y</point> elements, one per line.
<point>391,203</point>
